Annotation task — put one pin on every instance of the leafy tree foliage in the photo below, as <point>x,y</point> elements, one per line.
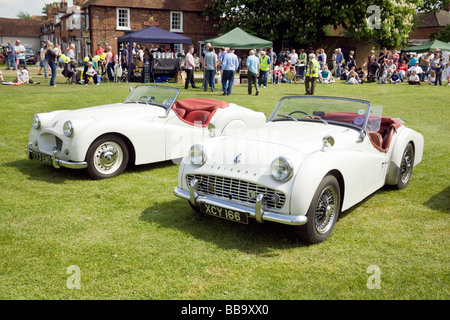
<point>385,23</point>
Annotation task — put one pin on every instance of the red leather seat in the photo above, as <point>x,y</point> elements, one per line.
<point>376,138</point>
<point>180,112</point>
<point>198,117</point>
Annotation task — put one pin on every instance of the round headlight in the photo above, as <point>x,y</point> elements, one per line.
<point>282,169</point>
<point>197,155</point>
<point>68,128</point>
<point>35,122</point>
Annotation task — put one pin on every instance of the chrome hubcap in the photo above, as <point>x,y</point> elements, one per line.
<point>108,157</point>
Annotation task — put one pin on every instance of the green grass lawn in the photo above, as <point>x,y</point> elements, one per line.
<point>131,238</point>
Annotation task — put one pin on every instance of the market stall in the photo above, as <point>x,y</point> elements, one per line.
<point>160,66</point>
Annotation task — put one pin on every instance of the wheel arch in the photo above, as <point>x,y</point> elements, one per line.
<point>340,178</point>
<point>130,146</point>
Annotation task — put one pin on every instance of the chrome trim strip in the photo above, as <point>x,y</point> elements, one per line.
<point>266,216</point>
<point>58,163</point>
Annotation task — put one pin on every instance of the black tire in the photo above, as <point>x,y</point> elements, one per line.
<point>406,167</point>
<point>323,212</point>
<point>107,157</point>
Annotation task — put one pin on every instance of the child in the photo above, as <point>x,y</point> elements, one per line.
<point>395,78</point>
<point>277,73</point>
<point>432,77</point>
<point>414,79</point>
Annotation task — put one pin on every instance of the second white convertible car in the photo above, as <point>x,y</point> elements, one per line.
<point>149,126</point>
<point>315,157</point>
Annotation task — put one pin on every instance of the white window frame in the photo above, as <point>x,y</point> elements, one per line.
<point>181,21</point>
<point>119,27</point>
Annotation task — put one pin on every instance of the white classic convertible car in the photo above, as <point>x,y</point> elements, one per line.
<point>315,157</point>
<point>149,126</point>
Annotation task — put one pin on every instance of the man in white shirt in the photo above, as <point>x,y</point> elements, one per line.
<point>415,68</point>
<point>20,53</point>
<point>293,57</point>
<point>189,68</point>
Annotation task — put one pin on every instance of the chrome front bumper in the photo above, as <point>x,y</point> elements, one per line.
<point>57,163</point>
<point>258,213</point>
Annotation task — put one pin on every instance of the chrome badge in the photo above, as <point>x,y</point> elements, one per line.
<point>238,158</point>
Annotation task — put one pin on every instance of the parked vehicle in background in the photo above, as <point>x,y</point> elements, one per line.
<point>30,55</point>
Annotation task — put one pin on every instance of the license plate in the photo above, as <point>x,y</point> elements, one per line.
<point>232,215</point>
<point>42,158</point>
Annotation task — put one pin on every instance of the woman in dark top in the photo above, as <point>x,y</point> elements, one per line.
<point>51,57</point>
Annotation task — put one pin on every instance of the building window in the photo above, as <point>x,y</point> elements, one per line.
<point>176,21</point>
<point>123,19</point>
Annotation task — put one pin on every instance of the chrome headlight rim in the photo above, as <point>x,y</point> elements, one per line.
<point>36,122</point>
<point>282,169</point>
<point>68,128</point>
<point>197,155</point>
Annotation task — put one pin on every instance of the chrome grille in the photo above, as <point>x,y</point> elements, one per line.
<point>59,144</point>
<point>237,190</point>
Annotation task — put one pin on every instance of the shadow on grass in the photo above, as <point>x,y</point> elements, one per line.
<point>40,172</point>
<point>36,171</point>
<point>440,201</point>
<point>254,238</point>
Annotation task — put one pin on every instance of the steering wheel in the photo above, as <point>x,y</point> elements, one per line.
<point>299,111</point>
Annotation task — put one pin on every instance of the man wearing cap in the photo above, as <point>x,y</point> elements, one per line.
<point>229,66</point>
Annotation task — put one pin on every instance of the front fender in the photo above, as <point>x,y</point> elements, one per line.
<point>402,138</point>
<point>145,137</point>
<point>346,165</point>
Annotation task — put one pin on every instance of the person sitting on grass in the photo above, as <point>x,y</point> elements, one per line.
<point>90,73</point>
<point>361,75</point>
<point>325,76</point>
<point>353,77</point>
<point>432,77</point>
<point>23,75</point>
<point>402,70</point>
<point>414,79</point>
<point>395,78</point>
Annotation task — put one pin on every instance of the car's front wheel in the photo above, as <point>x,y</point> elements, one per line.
<point>323,212</point>
<point>406,167</point>
<point>107,157</point>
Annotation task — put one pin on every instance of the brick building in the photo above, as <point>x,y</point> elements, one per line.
<point>106,20</point>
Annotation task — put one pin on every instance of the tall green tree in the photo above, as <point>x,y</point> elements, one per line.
<point>385,23</point>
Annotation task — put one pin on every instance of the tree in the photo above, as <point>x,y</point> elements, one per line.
<point>385,23</point>
<point>433,5</point>
<point>441,35</point>
<point>23,15</point>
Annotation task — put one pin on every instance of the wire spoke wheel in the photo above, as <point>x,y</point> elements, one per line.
<point>326,210</point>
<point>323,212</point>
<point>406,167</point>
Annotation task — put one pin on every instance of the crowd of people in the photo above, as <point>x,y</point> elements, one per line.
<point>299,66</point>
<point>288,66</point>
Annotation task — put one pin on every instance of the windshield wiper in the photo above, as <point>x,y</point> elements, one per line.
<point>287,116</point>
